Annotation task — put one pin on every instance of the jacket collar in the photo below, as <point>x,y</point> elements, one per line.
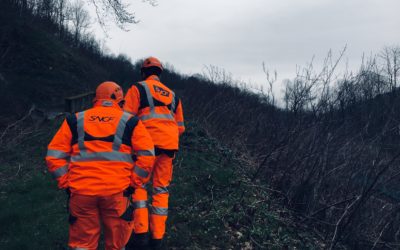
<point>106,103</point>
<point>153,77</point>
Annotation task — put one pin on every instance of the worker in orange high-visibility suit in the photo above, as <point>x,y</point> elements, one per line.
<point>160,110</point>
<point>99,155</point>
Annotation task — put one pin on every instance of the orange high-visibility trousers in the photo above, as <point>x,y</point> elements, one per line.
<point>141,214</point>
<point>91,212</point>
<point>162,175</point>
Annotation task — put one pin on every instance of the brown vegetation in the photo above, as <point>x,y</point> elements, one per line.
<point>331,154</point>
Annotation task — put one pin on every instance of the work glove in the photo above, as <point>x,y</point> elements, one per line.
<point>68,192</point>
<point>128,214</point>
<point>71,219</point>
<point>129,191</point>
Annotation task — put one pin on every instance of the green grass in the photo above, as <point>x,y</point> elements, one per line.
<point>212,206</point>
<point>32,211</point>
<point>43,68</point>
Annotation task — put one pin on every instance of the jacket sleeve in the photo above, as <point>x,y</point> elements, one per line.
<point>58,155</point>
<point>179,117</point>
<point>132,100</point>
<point>143,148</point>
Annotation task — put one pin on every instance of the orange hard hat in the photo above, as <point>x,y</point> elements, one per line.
<point>152,62</point>
<point>109,91</point>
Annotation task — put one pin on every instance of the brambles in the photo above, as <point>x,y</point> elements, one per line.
<point>332,153</point>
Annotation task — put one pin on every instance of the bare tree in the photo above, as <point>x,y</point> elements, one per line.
<point>216,74</point>
<point>117,10</point>
<point>79,18</point>
<point>332,155</point>
<point>271,79</point>
<point>391,64</point>
<point>61,15</point>
<point>47,9</point>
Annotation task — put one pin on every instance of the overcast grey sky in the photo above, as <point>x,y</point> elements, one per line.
<point>238,35</point>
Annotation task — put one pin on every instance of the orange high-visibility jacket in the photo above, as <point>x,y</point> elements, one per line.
<point>159,109</point>
<point>101,151</point>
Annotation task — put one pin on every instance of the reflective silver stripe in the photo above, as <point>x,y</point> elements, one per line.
<point>59,171</point>
<point>159,210</point>
<point>149,96</point>
<point>153,114</point>
<point>106,103</point>
<point>160,190</point>
<point>145,152</point>
<point>120,131</point>
<point>181,124</point>
<point>81,132</point>
<point>79,248</point>
<point>140,204</point>
<point>57,154</point>
<point>102,156</point>
<point>141,172</point>
<point>159,116</point>
<point>173,104</point>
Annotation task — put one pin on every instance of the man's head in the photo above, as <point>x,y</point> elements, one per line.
<point>151,66</point>
<point>110,92</point>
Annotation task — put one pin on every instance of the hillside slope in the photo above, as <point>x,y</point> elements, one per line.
<point>336,164</point>
<point>213,206</point>
<point>249,175</point>
<point>39,67</point>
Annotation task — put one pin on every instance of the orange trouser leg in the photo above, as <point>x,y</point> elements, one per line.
<point>85,231</point>
<point>162,175</point>
<point>141,214</point>
<point>116,230</point>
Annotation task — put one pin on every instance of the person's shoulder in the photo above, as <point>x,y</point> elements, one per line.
<point>132,121</point>
<point>73,117</point>
<point>70,117</point>
<point>162,85</point>
<point>134,84</point>
<point>141,84</point>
